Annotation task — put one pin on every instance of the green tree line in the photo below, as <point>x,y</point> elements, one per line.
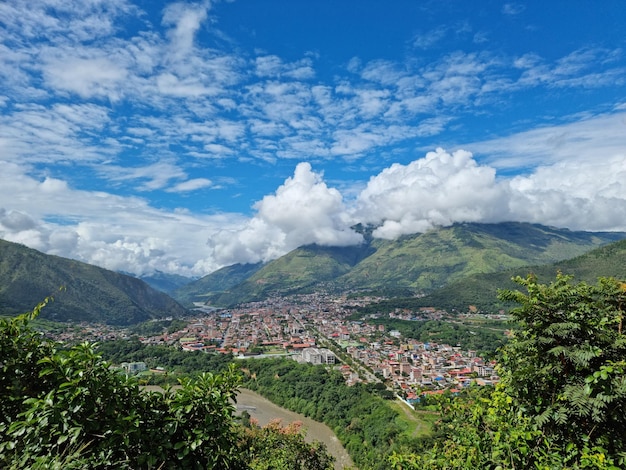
<point>364,422</point>
<point>561,403</point>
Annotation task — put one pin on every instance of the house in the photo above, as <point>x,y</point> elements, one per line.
<point>318,356</point>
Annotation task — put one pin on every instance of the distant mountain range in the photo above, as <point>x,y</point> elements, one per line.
<point>89,293</point>
<point>166,282</point>
<point>412,265</point>
<point>451,267</point>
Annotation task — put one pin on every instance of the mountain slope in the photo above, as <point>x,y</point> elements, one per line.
<point>481,290</point>
<point>415,264</point>
<point>428,261</point>
<point>165,282</point>
<point>90,293</point>
<point>215,283</point>
<point>308,267</point>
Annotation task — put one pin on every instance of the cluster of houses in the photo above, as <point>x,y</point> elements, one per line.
<point>300,326</point>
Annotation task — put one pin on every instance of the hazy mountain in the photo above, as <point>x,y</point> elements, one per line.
<point>165,282</point>
<point>90,293</point>
<point>413,264</point>
<point>215,283</point>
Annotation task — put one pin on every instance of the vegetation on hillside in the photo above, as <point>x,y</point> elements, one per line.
<point>413,264</point>
<point>90,293</point>
<point>67,409</point>
<point>480,290</point>
<point>367,425</point>
<point>217,282</point>
<point>562,399</point>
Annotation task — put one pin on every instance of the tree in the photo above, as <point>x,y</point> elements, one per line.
<point>283,448</point>
<point>561,402</point>
<point>566,366</point>
<point>66,408</point>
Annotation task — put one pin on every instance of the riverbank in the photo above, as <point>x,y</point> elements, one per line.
<point>264,411</point>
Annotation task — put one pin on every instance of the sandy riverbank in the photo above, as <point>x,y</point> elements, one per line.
<point>264,411</point>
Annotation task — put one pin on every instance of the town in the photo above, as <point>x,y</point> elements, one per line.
<point>317,328</point>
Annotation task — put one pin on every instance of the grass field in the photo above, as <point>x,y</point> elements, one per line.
<point>415,423</point>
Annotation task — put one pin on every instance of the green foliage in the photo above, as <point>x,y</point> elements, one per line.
<point>156,327</point>
<point>283,448</point>
<point>66,408</point>
<point>365,423</point>
<point>566,365</point>
<point>561,402</point>
<point>177,363</point>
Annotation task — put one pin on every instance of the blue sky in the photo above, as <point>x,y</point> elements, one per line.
<point>183,137</point>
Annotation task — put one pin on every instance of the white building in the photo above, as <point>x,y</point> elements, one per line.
<point>318,356</point>
<point>134,367</point>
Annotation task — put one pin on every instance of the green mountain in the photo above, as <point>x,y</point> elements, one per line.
<point>428,261</point>
<point>89,293</point>
<point>165,282</point>
<point>481,290</point>
<point>215,283</point>
<point>411,265</point>
<point>305,269</point>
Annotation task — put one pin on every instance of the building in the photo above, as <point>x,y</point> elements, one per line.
<point>132,368</point>
<point>318,356</point>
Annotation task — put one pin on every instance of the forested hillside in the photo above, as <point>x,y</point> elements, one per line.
<point>82,292</point>
<point>411,265</point>
<point>480,290</point>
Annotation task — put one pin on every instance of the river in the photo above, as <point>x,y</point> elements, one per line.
<point>264,411</point>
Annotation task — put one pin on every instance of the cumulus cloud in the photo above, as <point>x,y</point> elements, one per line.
<point>302,211</point>
<point>580,195</point>
<point>439,189</point>
<point>115,232</point>
<point>436,190</point>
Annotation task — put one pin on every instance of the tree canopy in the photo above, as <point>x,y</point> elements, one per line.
<point>67,409</point>
<point>561,401</point>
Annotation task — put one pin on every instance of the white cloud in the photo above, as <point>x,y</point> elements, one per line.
<point>190,185</point>
<point>155,176</point>
<point>429,39</point>
<point>592,138</point>
<point>186,20</point>
<point>302,211</point>
<point>512,9</point>
<point>88,77</point>
<point>118,233</point>
<point>581,194</point>
<point>439,189</point>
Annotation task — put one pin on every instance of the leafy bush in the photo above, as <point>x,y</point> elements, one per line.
<point>66,408</point>
<point>562,399</point>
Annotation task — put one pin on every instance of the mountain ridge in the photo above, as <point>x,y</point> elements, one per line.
<point>81,292</point>
<point>412,264</point>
